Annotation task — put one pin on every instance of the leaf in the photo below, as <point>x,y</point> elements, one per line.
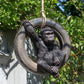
<point>53,79</point>
<point>68,18</point>
<point>55,1</point>
<point>64,69</point>
<point>46,81</point>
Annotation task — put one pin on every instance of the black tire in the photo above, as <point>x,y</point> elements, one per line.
<point>20,41</point>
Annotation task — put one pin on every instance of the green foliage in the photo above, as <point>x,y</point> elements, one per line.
<point>13,12</point>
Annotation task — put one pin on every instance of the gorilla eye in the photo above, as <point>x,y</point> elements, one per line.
<point>52,33</point>
<point>48,33</point>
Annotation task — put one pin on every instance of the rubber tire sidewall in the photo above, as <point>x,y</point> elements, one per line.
<point>19,43</point>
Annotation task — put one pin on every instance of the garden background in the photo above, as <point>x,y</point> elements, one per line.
<point>69,13</point>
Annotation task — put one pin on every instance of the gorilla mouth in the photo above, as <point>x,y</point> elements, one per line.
<point>50,41</point>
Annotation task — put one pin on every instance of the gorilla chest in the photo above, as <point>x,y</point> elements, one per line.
<point>49,58</point>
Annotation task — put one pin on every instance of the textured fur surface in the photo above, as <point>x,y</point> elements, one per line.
<point>50,57</point>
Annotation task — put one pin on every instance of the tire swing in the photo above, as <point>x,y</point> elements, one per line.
<point>19,43</point>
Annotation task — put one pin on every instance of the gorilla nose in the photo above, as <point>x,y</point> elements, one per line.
<point>51,38</point>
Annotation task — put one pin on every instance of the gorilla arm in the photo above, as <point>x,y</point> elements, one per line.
<point>59,58</point>
<point>42,65</point>
<point>30,31</point>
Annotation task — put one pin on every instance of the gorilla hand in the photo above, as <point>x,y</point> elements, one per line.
<point>55,71</point>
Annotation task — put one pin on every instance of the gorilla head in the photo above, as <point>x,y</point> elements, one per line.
<point>47,35</point>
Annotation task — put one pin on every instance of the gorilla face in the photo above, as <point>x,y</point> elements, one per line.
<point>48,37</point>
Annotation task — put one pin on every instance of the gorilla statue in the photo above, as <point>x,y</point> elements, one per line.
<point>50,58</point>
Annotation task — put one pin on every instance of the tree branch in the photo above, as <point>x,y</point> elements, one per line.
<point>60,10</point>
